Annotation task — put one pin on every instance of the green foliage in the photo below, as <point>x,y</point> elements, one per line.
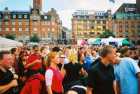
<point>10,36</point>
<point>35,38</point>
<point>107,34</point>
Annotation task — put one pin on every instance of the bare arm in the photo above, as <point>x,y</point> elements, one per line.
<point>31,64</point>
<point>117,88</point>
<point>138,75</point>
<point>89,90</point>
<point>49,90</point>
<point>4,88</point>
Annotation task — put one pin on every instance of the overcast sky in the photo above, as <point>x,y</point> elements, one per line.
<point>65,8</point>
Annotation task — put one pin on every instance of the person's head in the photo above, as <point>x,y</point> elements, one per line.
<point>108,53</point>
<point>43,51</point>
<point>6,59</point>
<point>56,49</point>
<point>62,58</point>
<point>53,57</point>
<point>14,51</point>
<point>35,48</point>
<point>23,56</point>
<point>125,52</point>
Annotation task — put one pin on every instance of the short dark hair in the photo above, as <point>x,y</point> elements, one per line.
<point>35,46</point>
<point>56,49</point>
<point>105,50</point>
<point>13,50</point>
<point>2,53</point>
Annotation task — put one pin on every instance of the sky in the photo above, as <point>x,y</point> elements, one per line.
<point>65,8</point>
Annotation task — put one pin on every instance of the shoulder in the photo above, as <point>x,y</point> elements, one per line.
<point>127,59</point>
<point>49,72</point>
<point>94,68</point>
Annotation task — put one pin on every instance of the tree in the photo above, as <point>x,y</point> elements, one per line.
<point>10,36</point>
<point>107,34</point>
<point>35,38</point>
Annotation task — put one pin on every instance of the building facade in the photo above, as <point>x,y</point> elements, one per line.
<point>126,22</point>
<point>24,24</point>
<point>88,23</point>
<point>138,5</point>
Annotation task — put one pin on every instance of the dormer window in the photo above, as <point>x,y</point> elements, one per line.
<point>19,16</point>
<point>25,16</point>
<point>14,16</point>
<point>45,17</point>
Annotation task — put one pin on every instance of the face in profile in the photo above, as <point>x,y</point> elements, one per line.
<point>57,59</point>
<point>7,61</point>
<point>112,57</point>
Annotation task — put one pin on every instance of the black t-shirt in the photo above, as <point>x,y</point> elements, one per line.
<point>101,79</point>
<point>6,78</point>
<point>72,72</point>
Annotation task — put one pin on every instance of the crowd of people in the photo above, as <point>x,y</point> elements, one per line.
<point>44,69</point>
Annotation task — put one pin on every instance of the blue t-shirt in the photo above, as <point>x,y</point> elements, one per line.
<point>125,74</point>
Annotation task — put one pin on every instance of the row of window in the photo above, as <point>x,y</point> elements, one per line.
<point>16,16</point>
<point>27,29</point>
<point>27,23</point>
<point>14,29</point>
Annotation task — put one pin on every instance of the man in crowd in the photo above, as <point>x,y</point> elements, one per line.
<point>34,62</point>
<point>101,79</point>
<point>7,79</point>
<point>126,74</point>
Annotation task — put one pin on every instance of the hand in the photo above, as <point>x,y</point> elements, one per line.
<point>15,76</point>
<point>38,61</point>
<point>13,83</point>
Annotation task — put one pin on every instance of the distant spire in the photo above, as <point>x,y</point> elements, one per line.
<point>113,1</point>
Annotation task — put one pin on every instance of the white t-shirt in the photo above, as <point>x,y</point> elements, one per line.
<point>49,77</point>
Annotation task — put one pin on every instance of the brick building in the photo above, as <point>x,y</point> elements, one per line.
<point>24,24</point>
<point>127,22</point>
<point>89,23</point>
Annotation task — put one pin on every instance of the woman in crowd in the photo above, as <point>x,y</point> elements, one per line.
<point>53,75</point>
<point>21,68</point>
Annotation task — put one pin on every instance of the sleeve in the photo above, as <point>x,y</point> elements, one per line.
<point>36,88</point>
<point>91,79</point>
<point>134,66</point>
<point>116,73</point>
<point>49,77</point>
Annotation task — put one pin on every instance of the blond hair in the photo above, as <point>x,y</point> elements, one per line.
<point>51,56</point>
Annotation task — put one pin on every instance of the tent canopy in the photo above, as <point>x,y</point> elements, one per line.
<point>125,42</point>
<point>6,44</point>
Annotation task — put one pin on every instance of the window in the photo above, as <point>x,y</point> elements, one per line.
<point>20,29</point>
<point>14,16</point>
<point>13,23</point>
<point>20,23</point>
<point>6,17</point>
<point>45,17</point>
<point>6,29</point>
<point>43,29</point>
<point>48,29</point>
<point>25,16</point>
<point>35,29</point>
<point>6,23</point>
<point>27,29</point>
<point>53,23</point>
<point>26,23</point>
<point>53,29</point>
<point>19,16</point>
<point>13,29</point>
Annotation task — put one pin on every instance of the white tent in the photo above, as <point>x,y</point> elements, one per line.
<point>7,44</point>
